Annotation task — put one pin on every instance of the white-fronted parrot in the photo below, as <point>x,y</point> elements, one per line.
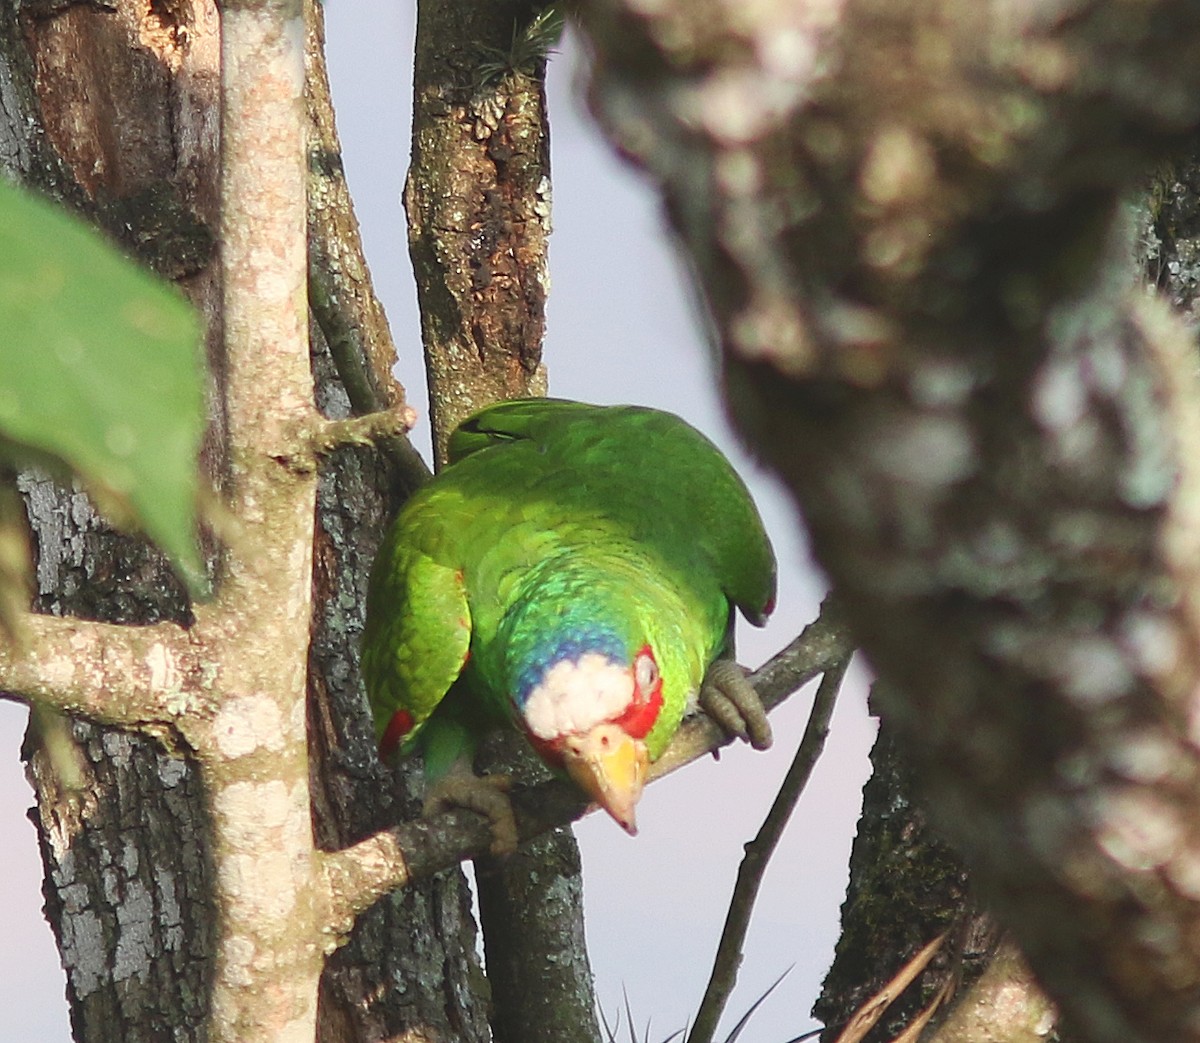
<point>573,571</point>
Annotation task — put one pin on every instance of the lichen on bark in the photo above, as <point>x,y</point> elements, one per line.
<point>478,204</point>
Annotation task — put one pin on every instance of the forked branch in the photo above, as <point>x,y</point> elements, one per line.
<point>358,876</point>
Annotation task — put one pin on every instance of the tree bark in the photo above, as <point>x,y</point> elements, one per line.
<point>903,878</point>
<point>906,887</point>
<point>907,223</point>
<point>115,111</point>
<point>531,912</point>
<point>410,963</point>
<point>128,873</point>
<point>478,203</point>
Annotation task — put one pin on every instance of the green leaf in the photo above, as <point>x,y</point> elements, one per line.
<point>100,368</point>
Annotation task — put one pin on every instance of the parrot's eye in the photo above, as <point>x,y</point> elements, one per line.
<point>645,672</point>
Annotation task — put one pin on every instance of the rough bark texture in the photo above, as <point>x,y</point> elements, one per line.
<point>906,222</point>
<point>128,886</point>
<point>116,111</point>
<point>906,887</point>
<point>349,315</point>
<point>410,964</point>
<point>1168,247</point>
<point>905,883</point>
<point>478,203</point>
<point>531,912</point>
<point>128,877</point>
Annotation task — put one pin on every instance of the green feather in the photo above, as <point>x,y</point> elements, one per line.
<point>555,515</point>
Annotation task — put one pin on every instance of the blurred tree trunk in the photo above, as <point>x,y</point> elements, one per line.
<point>909,223</point>
<point>907,885</point>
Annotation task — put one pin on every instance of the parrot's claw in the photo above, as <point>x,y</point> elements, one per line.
<point>485,794</point>
<point>730,700</point>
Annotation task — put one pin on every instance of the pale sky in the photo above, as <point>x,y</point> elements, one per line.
<point>620,330</point>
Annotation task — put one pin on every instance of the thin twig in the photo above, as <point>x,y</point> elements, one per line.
<point>867,1016</point>
<point>758,856</point>
<point>341,294</point>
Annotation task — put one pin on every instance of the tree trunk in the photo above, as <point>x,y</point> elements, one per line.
<point>128,874</point>
<point>906,887</point>
<point>908,224</point>
<point>906,884</point>
<point>115,111</point>
<point>478,204</point>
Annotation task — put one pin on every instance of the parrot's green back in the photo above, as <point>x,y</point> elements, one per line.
<point>549,515</point>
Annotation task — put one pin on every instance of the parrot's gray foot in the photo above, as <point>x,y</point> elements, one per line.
<point>486,794</point>
<point>730,700</point>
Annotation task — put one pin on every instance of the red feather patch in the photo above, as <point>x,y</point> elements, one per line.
<point>640,716</point>
<point>642,711</point>
<point>398,727</point>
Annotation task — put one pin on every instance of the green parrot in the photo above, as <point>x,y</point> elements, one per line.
<point>573,571</point>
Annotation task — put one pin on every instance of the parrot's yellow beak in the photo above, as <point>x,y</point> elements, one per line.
<point>610,766</point>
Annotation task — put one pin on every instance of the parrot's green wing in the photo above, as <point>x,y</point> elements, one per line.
<point>517,419</point>
<point>654,474</point>
<point>417,634</point>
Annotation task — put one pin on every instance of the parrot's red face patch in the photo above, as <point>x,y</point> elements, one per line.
<point>641,713</point>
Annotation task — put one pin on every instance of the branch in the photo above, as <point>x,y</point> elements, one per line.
<point>867,1016</point>
<point>818,648</point>
<point>1006,1005</point>
<point>758,856</point>
<point>358,876</point>
<point>116,674</point>
<point>318,436</point>
<point>341,293</point>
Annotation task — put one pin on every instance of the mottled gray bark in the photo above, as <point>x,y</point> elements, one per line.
<point>115,111</point>
<point>906,884</point>
<point>531,912</point>
<point>128,873</point>
<point>907,222</point>
<point>478,204</point>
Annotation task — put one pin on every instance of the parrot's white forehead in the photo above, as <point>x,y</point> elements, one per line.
<point>575,695</point>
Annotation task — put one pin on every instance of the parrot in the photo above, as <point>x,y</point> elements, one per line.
<point>573,572</point>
